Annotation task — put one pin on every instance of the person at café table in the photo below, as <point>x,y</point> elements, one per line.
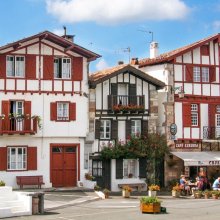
<point>216,184</point>
<point>183,184</point>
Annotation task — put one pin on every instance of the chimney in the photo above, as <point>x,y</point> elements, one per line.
<point>134,61</point>
<point>154,52</point>
<point>68,37</point>
<point>120,62</point>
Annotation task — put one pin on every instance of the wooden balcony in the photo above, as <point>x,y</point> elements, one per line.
<point>125,103</point>
<point>18,125</point>
<point>211,133</point>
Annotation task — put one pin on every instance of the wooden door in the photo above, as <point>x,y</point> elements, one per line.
<point>63,166</point>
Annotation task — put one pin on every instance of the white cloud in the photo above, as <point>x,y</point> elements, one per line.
<point>59,32</point>
<point>102,64</point>
<point>116,11</point>
<point>216,25</point>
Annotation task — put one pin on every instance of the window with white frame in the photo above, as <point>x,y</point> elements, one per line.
<point>218,108</point>
<point>130,168</point>
<point>62,68</point>
<point>135,127</point>
<point>105,129</point>
<point>196,74</point>
<point>17,158</point>
<point>194,114</point>
<point>15,66</point>
<point>205,74</point>
<point>63,111</point>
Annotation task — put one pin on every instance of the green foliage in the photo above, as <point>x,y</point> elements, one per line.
<point>152,146</point>
<point>2,183</point>
<point>172,183</point>
<point>149,200</point>
<point>97,188</point>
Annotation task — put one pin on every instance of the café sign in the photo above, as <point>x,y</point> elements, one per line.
<point>202,163</point>
<point>187,145</point>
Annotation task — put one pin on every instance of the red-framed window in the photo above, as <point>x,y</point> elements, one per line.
<point>62,111</point>
<point>18,158</point>
<point>191,115</point>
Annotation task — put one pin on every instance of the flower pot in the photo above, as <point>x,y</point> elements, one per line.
<point>126,193</point>
<point>150,208</point>
<point>197,195</point>
<point>175,193</point>
<point>152,193</point>
<point>207,196</point>
<point>214,196</point>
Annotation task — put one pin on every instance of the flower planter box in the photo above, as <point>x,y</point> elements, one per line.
<point>175,194</point>
<point>152,193</point>
<point>126,193</point>
<point>150,208</point>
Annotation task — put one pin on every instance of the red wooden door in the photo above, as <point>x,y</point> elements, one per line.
<point>63,166</point>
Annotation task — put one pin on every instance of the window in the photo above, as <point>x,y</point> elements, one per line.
<point>105,129</point>
<point>129,168</point>
<point>17,158</point>
<point>200,74</point>
<point>62,111</point>
<point>15,66</point>
<point>194,114</point>
<point>196,74</point>
<point>218,108</point>
<point>135,127</point>
<point>62,68</point>
<point>97,168</point>
<point>205,74</point>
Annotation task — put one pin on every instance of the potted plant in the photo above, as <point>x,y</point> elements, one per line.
<point>152,190</point>
<point>88,176</point>
<point>176,190</point>
<point>215,194</point>
<point>97,188</point>
<point>106,193</point>
<point>126,191</point>
<point>207,194</point>
<point>149,204</point>
<point>198,194</point>
<point>2,183</point>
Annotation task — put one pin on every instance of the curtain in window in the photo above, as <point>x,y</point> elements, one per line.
<point>66,69</point>
<point>10,66</point>
<point>19,71</point>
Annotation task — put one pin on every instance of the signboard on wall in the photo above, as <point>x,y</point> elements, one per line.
<point>187,145</point>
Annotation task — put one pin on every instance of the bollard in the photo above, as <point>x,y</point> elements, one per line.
<point>35,205</point>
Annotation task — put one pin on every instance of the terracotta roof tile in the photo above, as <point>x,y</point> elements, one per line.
<point>165,57</point>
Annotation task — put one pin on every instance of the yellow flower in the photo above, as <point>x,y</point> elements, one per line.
<point>154,187</point>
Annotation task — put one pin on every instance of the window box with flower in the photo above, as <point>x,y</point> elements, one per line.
<point>128,108</point>
<point>149,204</point>
<point>176,190</point>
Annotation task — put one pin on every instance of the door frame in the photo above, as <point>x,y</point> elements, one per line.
<point>77,146</point>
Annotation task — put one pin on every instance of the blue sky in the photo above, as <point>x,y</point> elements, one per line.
<point>110,27</point>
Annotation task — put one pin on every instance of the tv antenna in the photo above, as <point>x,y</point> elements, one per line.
<point>127,50</point>
<point>149,32</point>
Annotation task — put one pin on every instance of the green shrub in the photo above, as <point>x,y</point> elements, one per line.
<point>149,199</point>
<point>2,183</point>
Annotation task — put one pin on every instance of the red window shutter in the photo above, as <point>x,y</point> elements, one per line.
<point>77,68</point>
<point>204,49</point>
<point>48,67</point>
<point>30,66</point>
<point>27,112</point>
<point>2,66</point>
<point>32,158</point>
<point>5,111</point>
<point>212,74</point>
<point>212,111</point>
<point>72,111</point>
<point>186,115</point>
<point>3,158</point>
<point>53,111</point>
<point>189,73</point>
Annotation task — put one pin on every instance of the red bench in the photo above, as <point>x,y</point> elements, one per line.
<point>29,180</point>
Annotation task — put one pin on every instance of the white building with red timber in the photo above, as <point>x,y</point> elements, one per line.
<point>191,102</point>
<point>44,109</point>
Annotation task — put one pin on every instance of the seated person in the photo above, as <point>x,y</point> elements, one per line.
<point>198,185</point>
<point>183,184</point>
<point>216,184</point>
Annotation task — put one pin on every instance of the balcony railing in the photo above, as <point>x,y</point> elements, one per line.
<point>18,125</point>
<point>211,133</point>
<point>126,103</point>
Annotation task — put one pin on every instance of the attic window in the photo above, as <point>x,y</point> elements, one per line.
<point>62,68</point>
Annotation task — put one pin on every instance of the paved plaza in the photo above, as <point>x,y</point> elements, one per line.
<point>87,206</point>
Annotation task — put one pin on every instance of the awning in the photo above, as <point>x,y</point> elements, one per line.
<point>210,158</point>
